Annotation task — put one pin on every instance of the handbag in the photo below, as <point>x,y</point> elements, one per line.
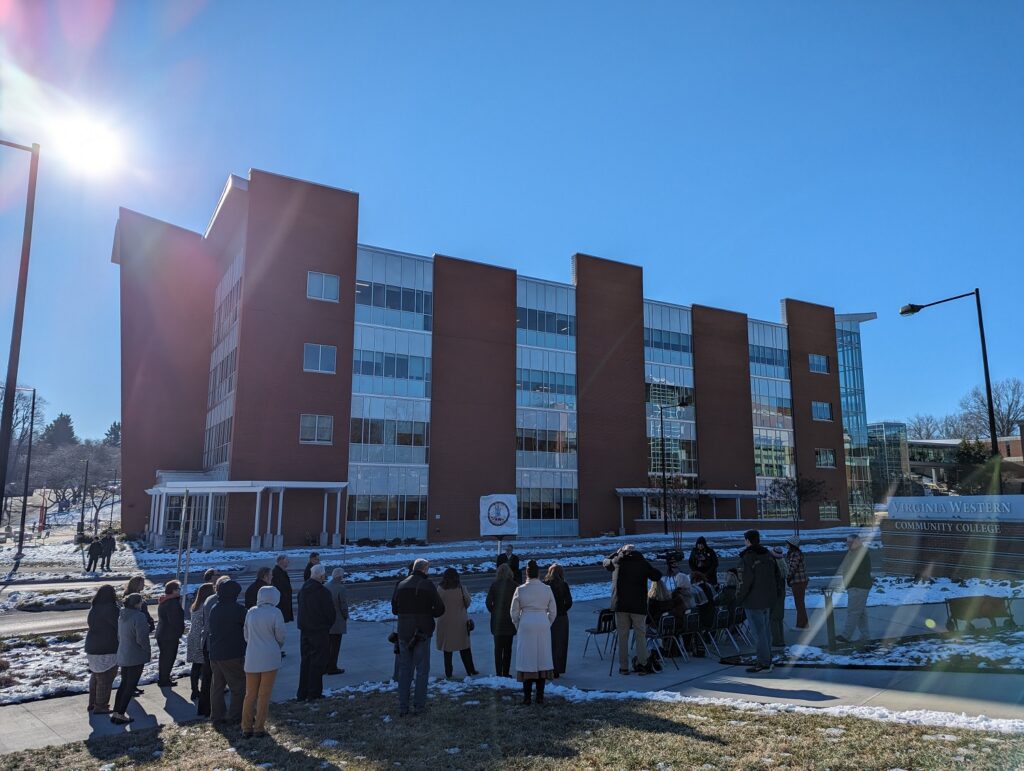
<point>470,626</point>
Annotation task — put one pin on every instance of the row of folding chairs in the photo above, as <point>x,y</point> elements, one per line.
<point>728,624</point>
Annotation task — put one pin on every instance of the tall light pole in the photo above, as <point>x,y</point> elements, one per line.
<point>85,487</point>
<point>680,401</point>
<point>7,413</point>
<point>910,309</point>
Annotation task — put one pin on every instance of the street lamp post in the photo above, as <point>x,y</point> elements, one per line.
<point>910,309</point>
<point>681,401</point>
<point>7,413</point>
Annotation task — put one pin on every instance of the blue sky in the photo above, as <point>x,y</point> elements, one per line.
<point>861,155</point>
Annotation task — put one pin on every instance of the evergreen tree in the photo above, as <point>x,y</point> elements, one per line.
<point>113,435</point>
<point>60,432</point>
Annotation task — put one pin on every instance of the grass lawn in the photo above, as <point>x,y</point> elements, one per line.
<point>483,728</point>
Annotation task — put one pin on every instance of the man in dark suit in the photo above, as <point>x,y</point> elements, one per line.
<point>316,617</point>
<point>283,584</point>
<point>513,562</point>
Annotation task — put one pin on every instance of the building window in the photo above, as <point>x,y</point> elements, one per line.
<point>320,358</point>
<point>821,410</point>
<point>322,286</point>
<point>316,429</point>
<point>818,363</point>
<point>824,458</point>
<point>828,510</point>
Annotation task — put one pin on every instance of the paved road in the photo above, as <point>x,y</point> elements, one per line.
<point>49,622</point>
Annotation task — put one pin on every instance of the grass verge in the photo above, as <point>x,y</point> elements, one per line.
<point>483,728</point>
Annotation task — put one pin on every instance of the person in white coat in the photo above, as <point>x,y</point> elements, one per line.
<point>264,636</point>
<point>533,612</point>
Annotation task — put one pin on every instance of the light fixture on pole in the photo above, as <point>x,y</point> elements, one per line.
<point>7,411</point>
<point>910,309</point>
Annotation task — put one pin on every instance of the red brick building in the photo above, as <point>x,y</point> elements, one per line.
<point>303,387</point>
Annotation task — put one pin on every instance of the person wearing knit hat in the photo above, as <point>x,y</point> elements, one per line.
<point>779,606</point>
<point>796,577</point>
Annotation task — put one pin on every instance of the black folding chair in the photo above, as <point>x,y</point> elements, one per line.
<point>690,627</point>
<point>665,634</point>
<point>605,627</point>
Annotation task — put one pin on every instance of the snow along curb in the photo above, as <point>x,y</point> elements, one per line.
<point>918,717</point>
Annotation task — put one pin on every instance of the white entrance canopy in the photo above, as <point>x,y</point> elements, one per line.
<point>648,493</point>
<point>177,484</point>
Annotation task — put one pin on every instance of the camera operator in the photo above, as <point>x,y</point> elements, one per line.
<point>630,574</point>
<point>416,603</point>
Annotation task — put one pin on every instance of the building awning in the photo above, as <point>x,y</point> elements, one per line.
<point>647,492</point>
<point>178,487</point>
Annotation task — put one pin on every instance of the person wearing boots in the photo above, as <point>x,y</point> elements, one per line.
<point>316,617</point>
<point>454,627</point>
<point>499,604</point>
<point>533,612</point>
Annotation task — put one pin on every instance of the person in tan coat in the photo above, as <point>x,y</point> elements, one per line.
<point>454,626</point>
<point>533,612</point>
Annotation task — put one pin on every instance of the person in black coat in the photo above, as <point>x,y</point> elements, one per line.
<point>513,562</point>
<point>630,574</point>
<point>101,648</point>
<point>555,579</point>
<point>499,604</point>
<point>314,559</point>
<point>170,626</point>
<point>225,642</point>
<point>263,576</point>
<point>316,617</point>
<point>704,560</point>
<point>95,553</point>
<point>283,584</point>
<point>109,545</point>
<point>416,603</point>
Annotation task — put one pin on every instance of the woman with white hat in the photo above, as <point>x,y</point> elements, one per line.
<point>796,577</point>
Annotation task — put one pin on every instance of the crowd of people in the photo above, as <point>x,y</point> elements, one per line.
<point>235,648</point>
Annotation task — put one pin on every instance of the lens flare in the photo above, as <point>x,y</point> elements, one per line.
<point>87,144</point>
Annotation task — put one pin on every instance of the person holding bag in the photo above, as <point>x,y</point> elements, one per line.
<point>455,625</point>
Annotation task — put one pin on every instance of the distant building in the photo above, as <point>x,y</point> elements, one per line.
<point>304,387</point>
<point>890,462</point>
<point>935,459</point>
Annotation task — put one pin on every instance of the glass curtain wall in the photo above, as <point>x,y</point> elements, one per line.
<point>668,375</point>
<point>546,481</point>
<point>771,399</point>
<point>389,436</point>
<point>855,421</point>
<point>220,402</point>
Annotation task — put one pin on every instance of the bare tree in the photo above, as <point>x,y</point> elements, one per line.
<point>792,492</point>
<point>957,426</point>
<point>923,427</point>
<point>59,473</point>
<point>1007,403</point>
<point>104,469</point>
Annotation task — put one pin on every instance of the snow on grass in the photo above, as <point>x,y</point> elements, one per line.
<point>900,590</point>
<point>583,551</point>
<point>1002,649</point>
<point>55,665</point>
<point>919,717</point>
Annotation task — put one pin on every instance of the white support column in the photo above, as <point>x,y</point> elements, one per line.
<point>323,529</point>
<point>336,538</point>
<point>268,535</point>
<point>208,534</point>
<point>714,507</point>
<point>622,518</point>
<point>161,519</point>
<point>254,545</point>
<point>279,536</point>
<point>739,514</point>
<point>150,523</point>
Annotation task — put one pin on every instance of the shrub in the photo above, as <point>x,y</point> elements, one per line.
<point>68,637</point>
<point>4,665</point>
<point>393,543</point>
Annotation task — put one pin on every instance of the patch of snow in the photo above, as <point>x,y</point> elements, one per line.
<point>899,590</point>
<point>329,743</point>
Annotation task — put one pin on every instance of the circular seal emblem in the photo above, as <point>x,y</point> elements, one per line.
<point>498,513</point>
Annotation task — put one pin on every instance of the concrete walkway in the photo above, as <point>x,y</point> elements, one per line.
<point>366,656</point>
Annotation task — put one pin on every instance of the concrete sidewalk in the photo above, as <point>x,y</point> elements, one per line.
<point>367,656</point>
